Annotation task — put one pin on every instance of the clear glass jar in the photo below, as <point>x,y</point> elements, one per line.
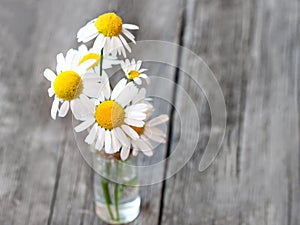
<point>117,199</point>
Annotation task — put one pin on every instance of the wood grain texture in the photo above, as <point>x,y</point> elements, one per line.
<point>253,49</point>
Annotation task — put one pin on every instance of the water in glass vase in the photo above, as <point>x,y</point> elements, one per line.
<point>116,202</point>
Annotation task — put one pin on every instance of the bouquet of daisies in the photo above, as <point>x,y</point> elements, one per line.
<point>117,118</point>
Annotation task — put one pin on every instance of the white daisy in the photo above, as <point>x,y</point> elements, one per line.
<point>134,72</point>
<point>87,54</point>
<point>107,29</point>
<point>148,133</point>
<point>70,84</point>
<point>111,120</point>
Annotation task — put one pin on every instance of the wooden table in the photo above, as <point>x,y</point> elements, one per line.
<point>253,49</point>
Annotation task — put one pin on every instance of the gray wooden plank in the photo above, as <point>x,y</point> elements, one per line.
<point>28,162</point>
<point>252,48</point>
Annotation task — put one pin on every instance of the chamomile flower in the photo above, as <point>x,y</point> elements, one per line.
<point>88,54</point>
<point>149,132</point>
<point>111,119</point>
<point>70,84</point>
<point>108,29</point>
<point>134,72</point>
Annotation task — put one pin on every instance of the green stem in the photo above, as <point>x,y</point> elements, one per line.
<point>105,189</point>
<point>101,61</point>
<point>117,201</point>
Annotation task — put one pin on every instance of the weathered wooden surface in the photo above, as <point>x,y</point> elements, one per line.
<point>253,49</point>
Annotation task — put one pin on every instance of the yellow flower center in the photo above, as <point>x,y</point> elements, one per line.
<point>109,114</point>
<point>68,85</point>
<point>133,74</point>
<point>139,130</point>
<point>89,56</point>
<point>109,24</point>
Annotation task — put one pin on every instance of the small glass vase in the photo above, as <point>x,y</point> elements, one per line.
<point>117,199</point>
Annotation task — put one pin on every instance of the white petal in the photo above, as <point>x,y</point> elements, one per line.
<point>121,136</point>
<point>136,115</point>
<point>78,109</point>
<point>130,132</point>
<point>133,63</point>
<point>64,109</point>
<point>141,107</point>
<point>76,59</point>
<point>127,95</point>
<point>92,90</point>
<point>149,131</point>
<point>60,58</point>
<point>100,139</point>
<point>125,43</point>
<point>146,140</point>
<point>115,143</point>
<point>110,61</point>
<point>120,46</point>
<point>88,104</point>
<point>140,96</point>
<point>91,77</point>
<point>61,63</point>
<point>138,65</point>
<point>106,85</point>
<point>83,67</point>
<point>108,149</point>
<point>135,151</point>
<point>125,152</point>
<point>155,135</point>
<point>130,26</point>
<point>158,139</point>
<point>87,38</point>
<point>84,125</point>
<point>87,33</point>
<point>142,70</point>
<point>147,79</point>
<point>118,89</point>
<point>133,122</point>
<point>54,108</point>
<point>158,120</point>
<point>49,75</point>
<point>101,98</point>
<point>144,147</point>
<point>129,35</point>
<point>127,62</point>
<point>92,135</point>
<point>115,46</point>
<point>83,49</point>
<point>123,66</point>
<point>69,58</point>
<point>107,46</point>
<point>50,92</point>
<point>99,43</point>
<point>137,80</point>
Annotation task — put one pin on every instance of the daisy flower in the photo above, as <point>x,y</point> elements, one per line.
<point>111,119</point>
<point>134,72</point>
<point>149,132</point>
<point>70,84</point>
<point>108,29</point>
<point>88,54</point>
